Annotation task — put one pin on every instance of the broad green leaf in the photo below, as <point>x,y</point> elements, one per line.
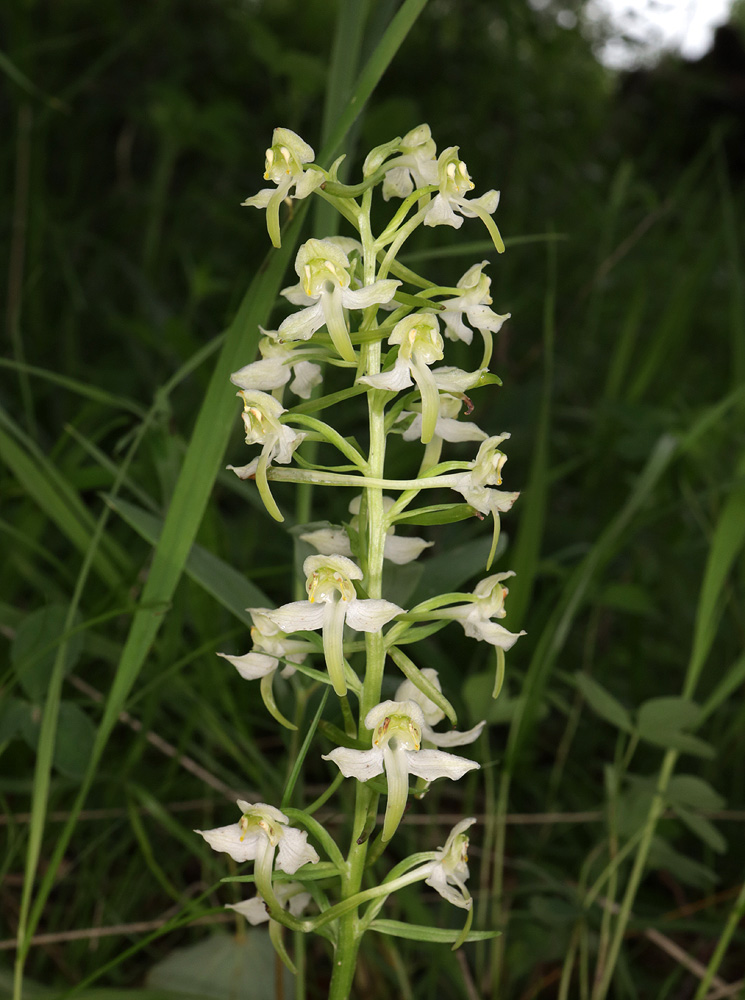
<point>692,791</point>
<point>75,737</point>
<point>671,713</point>
<point>13,714</point>
<point>703,829</point>
<point>690,872</point>
<point>35,645</point>
<point>603,703</point>
<point>674,739</point>
<point>420,932</point>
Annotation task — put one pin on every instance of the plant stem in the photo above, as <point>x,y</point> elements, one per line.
<point>345,957</point>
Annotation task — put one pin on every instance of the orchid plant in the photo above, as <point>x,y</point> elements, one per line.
<point>360,310</point>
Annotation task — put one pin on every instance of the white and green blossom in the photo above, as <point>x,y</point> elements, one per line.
<point>270,647</point>
<point>396,749</point>
<point>332,603</point>
<point>420,345</point>
<point>256,836</point>
<point>279,362</point>
<point>290,895</point>
<point>486,471</point>
<point>476,618</point>
<point>414,167</point>
<point>285,160</point>
<point>335,540</point>
<point>447,426</point>
<point>432,714</point>
<point>449,870</point>
<point>325,290</point>
<point>450,204</point>
<point>473,303</point>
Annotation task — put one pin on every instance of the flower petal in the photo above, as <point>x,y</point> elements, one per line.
<point>297,616</point>
<point>302,325</point>
<point>266,374</point>
<point>329,541</point>
<point>233,841</point>
<point>254,910</point>
<point>252,665</point>
<point>359,764</point>
<point>307,377</point>
<point>378,293</point>
<point>370,614</point>
<point>453,738</point>
<point>431,764</point>
<point>399,377</point>
<point>294,850</point>
<point>400,550</point>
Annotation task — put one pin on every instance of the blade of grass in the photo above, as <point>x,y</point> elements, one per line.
<point>49,489</point>
<point>218,578</point>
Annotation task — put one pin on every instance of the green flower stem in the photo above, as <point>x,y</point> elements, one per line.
<point>392,228</point>
<point>428,482</point>
<point>345,956</point>
<point>403,234</point>
<point>263,879</point>
<point>314,828</point>
<point>384,889</point>
<point>330,435</point>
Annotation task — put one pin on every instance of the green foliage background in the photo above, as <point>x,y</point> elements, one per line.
<point>131,134</point>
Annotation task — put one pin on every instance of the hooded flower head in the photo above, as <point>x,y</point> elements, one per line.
<point>261,413</point>
<point>279,361</point>
<point>476,618</point>
<point>398,549</point>
<point>285,159</point>
<point>270,646</point>
<point>332,601</point>
<point>396,749</point>
<point>450,868</point>
<point>420,345</point>
<point>432,713</point>
<point>414,167</point>
<point>260,832</point>
<point>485,472</point>
<point>473,303</point>
<point>325,279</point>
<point>450,203</point>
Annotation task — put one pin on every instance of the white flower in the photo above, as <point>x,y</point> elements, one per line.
<point>447,427</point>
<point>474,303</point>
<point>269,646</point>
<point>279,361</point>
<point>332,602</point>
<point>420,346</point>
<point>284,166</point>
<point>476,617</point>
<point>416,166</point>
<point>330,541</point>
<point>261,413</point>
<point>455,182</point>
<point>432,713</point>
<point>486,471</point>
<point>396,741</point>
<point>259,832</point>
<point>325,290</point>
<point>291,896</point>
<point>450,869</point>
